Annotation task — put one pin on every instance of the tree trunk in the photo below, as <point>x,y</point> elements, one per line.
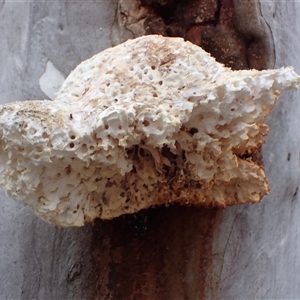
<point>241,252</point>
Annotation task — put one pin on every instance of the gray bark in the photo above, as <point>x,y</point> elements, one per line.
<point>39,261</point>
<point>257,246</point>
<point>242,252</point>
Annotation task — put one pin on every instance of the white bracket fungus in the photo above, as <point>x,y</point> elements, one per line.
<point>152,121</point>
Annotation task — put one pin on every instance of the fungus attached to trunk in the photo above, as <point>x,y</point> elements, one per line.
<point>152,121</point>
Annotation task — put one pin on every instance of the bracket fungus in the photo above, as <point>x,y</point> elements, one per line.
<point>152,121</point>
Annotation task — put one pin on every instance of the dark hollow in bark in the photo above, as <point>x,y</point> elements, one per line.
<point>238,38</point>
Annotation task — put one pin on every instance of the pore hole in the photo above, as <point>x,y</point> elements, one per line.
<point>146,123</point>
<point>68,170</point>
<point>32,131</point>
<point>84,148</point>
<point>109,157</point>
<point>39,149</point>
<point>193,130</point>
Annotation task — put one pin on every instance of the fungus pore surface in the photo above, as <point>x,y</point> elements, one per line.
<point>152,121</point>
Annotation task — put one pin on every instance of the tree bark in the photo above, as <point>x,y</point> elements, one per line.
<point>241,252</point>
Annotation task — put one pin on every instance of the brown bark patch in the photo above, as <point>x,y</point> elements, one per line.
<point>162,253</point>
<point>210,24</point>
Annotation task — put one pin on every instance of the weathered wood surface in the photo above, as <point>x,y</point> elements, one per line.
<point>245,252</point>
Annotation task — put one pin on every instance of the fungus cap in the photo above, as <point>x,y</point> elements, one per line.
<point>152,121</point>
